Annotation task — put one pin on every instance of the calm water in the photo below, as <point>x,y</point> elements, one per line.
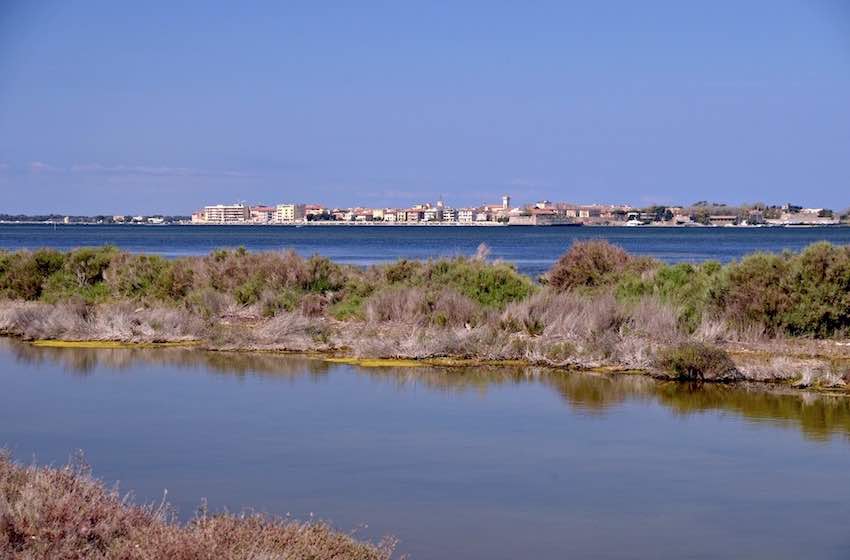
<point>532,249</point>
<point>501,463</point>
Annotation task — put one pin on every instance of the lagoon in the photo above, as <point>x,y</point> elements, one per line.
<point>476,463</point>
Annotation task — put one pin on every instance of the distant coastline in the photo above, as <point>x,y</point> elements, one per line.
<point>540,213</point>
<point>420,224</point>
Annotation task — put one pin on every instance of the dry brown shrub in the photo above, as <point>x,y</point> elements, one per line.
<point>49,513</point>
<point>589,264</point>
<point>117,322</point>
<point>408,305</point>
<point>313,305</point>
<point>699,362</point>
<point>653,318</point>
<point>453,309</point>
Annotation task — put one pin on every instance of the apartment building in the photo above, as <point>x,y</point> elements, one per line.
<point>723,219</point>
<point>589,212</point>
<point>288,213</point>
<point>466,215</point>
<point>227,213</point>
<point>262,214</point>
<point>414,215</point>
<point>314,210</point>
<point>432,215</point>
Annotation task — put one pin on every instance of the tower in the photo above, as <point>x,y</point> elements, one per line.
<point>506,202</point>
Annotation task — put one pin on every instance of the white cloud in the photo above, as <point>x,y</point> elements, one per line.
<point>41,167</point>
<point>154,171</point>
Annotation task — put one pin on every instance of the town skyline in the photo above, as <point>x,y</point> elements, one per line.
<point>539,213</point>
<point>504,212</point>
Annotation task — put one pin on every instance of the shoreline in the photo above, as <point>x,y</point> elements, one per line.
<point>751,363</point>
<point>441,224</point>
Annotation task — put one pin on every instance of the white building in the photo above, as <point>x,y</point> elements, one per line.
<point>449,215</point>
<point>226,213</point>
<point>466,215</point>
<point>288,213</point>
<point>262,214</point>
<point>432,215</point>
<point>314,210</point>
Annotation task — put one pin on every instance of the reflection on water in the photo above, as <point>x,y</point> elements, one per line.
<point>819,416</point>
<point>481,463</point>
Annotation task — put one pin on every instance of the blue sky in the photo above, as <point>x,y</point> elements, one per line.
<point>156,106</point>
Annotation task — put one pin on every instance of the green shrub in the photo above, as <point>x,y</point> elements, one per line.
<point>401,271</point>
<point>351,307</point>
<point>64,286</point>
<point>755,291</point>
<point>53,278</point>
<point>23,274</point>
<point>250,292</point>
<point>688,287</point>
<point>491,285</point>
<point>274,303</point>
<point>20,278</point>
<point>696,361</point>
<point>819,286</point>
<point>135,276</point>
<point>88,264</point>
<point>220,255</point>
<point>323,275</point>
<point>631,287</point>
<point>176,281</point>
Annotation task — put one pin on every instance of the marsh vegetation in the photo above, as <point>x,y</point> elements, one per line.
<point>773,317</point>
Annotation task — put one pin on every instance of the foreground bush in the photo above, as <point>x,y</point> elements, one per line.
<point>694,361</point>
<point>63,514</point>
<point>805,294</point>
<point>588,264</point>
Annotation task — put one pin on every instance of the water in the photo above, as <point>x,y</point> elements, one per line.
<point>532,249</point>
<point>479,463</point>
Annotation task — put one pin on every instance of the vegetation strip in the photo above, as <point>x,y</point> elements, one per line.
<point>108,344</point>
<point>768,317</point>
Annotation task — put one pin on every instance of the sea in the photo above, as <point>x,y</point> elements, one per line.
<point>531,249</point>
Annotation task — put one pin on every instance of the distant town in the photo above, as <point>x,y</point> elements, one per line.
<point>503,213</point>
